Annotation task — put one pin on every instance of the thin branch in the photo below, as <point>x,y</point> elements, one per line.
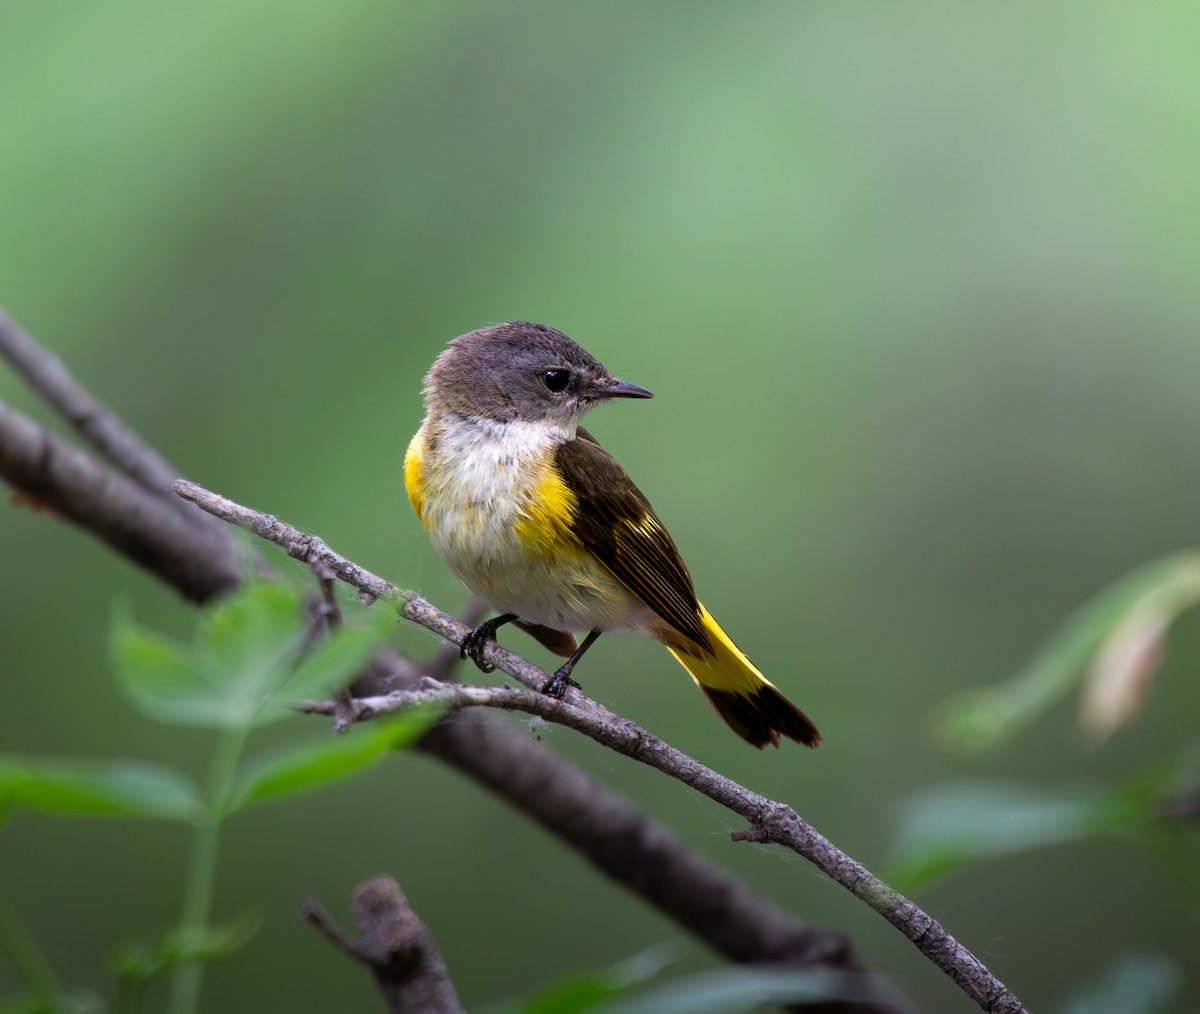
<point>95,422</point>
<point>622,843</point>
<point>128,517</point>
<point>395,945</point>
<point>770,821</point>
<point>329,621</point>
<point>643,856</point>
<point>313,913</point>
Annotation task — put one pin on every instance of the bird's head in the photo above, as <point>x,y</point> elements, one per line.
<point>520,371</point>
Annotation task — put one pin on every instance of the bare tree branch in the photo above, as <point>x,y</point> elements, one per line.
<point>640,854</point>
<point>99,426</point>
<point>395,945</point>
<point>127,516</point>
<point>621,842</point>
<point>770,821</point>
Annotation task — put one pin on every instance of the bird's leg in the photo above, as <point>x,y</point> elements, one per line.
<point>556,685</point>
<point>476,642</point>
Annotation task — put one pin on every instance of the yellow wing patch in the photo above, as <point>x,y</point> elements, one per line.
<point>546,517</point>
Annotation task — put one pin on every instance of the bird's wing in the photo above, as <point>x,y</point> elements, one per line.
<point>616,523</point>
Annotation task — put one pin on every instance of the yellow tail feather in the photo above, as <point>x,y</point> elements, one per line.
<point>748,702</point>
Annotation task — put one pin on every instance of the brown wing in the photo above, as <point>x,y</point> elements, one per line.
<point>617,524</point>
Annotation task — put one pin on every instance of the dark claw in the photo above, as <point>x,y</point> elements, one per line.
<point>475,644</point>
<point>556,685</point>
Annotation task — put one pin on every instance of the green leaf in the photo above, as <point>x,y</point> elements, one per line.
<point>959,824</point>
<point>588,990</point>
<point>582,993</point>
<point>733,990</point>
<point>247,643</point>
<point>982,720</point>
<point>323,761</point>
<point>251,630</point>
<point>160,679</point>
<point>98,788</point>
<point>245,647</point>
<point>141,962</point>
<point>332,663</point>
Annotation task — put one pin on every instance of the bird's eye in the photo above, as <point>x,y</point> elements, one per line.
<point>556,380</point>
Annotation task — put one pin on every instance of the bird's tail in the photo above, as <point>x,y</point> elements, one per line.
<point>739,693</point>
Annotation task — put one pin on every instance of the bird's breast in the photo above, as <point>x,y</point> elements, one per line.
<point>499,513</point>
<point>478,484</point>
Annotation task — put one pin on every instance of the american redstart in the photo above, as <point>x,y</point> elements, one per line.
<point>540,522</point>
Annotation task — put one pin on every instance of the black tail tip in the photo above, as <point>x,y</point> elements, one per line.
<point>763,716</point>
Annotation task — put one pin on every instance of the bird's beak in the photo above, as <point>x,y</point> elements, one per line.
<point>614,388</point>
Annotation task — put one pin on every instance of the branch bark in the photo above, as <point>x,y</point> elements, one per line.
<point>769,821</point>
<point>131,519</point>
<point>101,427</point>
<point>395,945</point>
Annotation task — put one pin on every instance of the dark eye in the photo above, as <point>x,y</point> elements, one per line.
<point>556,380</point>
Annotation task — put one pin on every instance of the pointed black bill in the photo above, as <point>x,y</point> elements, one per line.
<point>614,388</point>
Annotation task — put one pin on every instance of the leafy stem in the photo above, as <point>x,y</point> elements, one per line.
<point>200,878</point>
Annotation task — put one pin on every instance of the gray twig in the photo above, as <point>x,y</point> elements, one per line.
<point>395,945</point>
<point>769,821</point>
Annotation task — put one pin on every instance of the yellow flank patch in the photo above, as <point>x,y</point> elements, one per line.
<point>414,476</point>
<point>546,516</point>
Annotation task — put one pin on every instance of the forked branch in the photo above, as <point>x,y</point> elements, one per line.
<point>395,945</point>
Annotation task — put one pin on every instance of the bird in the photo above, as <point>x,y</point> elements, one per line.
<point>540,522</point>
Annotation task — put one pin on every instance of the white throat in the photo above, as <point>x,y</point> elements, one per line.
<point>519,439</point>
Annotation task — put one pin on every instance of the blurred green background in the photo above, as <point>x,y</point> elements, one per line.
<point>914,286</point>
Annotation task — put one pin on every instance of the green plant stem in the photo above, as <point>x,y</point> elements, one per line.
<point>28,961</point>
<point>202,867</point>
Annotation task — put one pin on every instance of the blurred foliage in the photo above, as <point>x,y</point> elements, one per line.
<point>631,987</point>
<point>1114,645</point>
<point>733,991</point>
<point>1119,634</point>
<point>251,655</point>
<point>914,287</point>
<point>1131,984</point>
<point>582,991</point>
<point>954,825</point>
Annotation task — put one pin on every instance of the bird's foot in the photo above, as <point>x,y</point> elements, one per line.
<point>476,643</point>
<point>556,685</point>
